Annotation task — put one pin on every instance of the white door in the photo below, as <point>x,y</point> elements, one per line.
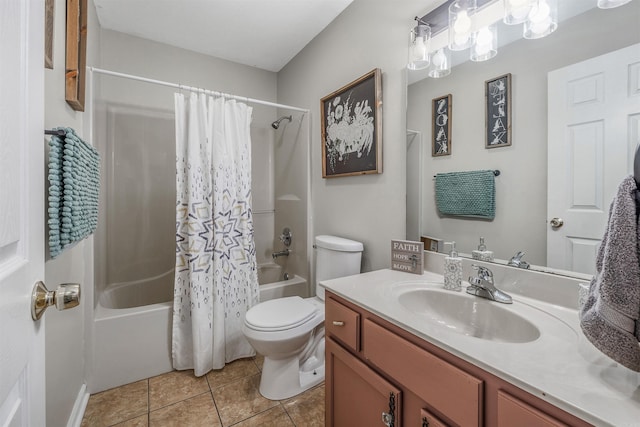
<point>22,385</point>
<point>593,130</point>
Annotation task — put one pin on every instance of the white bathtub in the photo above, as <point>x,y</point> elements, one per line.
<point>132,325</point>
<point>273,285</point>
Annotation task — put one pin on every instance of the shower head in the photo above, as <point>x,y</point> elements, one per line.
<point>276,124</point>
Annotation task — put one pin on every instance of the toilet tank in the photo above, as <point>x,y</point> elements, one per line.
<point>335,257</point>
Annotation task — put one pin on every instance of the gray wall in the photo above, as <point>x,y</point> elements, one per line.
<point>521,189</point>
<point>367,35</point>
<point>64,330</point>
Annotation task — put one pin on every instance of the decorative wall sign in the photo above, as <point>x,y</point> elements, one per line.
<point>407,255</point>
<point>76,53</point>
<point>441,138</point>
<point>352,128</point>
<point>49,15</point>
<point>498,111</point>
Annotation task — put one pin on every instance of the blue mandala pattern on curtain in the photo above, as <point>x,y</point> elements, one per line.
<point>216,274</point>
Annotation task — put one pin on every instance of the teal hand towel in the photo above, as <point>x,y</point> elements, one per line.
<point>74,185</point>
<point>469,193</point>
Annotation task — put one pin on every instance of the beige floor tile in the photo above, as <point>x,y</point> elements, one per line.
<point>173,387</point>
<point>240,400</point>
<point>116,405</point>
<point>274,417</point>
<point>233,371</point>
<point>193,412</point>
<point>307,409</point>
<point>259,361</point>
<point>141,421</point>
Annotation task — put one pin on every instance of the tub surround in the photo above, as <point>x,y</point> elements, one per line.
<point>560,367</point>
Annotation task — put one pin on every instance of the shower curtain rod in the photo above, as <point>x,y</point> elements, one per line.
<point>195,89</point>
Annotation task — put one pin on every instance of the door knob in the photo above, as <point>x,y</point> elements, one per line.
<point>556,222</point>
<point>66,296</point>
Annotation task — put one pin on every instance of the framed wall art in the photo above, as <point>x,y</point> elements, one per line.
<point>352,128</point>
<point>498,111</point>
<point>441,126</point>
<point>49,16</point>
<point>76,55</point>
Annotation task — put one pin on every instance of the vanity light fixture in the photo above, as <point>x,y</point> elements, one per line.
<point>440,63</point>
<point>461,24</point>
<point>485,43</point>
<point>462,18</point>
<point>542,19</point>
<point>419,41</point>
<point>610,4</point>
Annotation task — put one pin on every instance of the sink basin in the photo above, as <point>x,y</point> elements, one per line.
<point>468,315</point>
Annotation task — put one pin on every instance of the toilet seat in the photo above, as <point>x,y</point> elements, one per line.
<point>280,314</point>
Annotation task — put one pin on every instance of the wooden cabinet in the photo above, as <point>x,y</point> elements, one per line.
<point>371,363</point>
<point>356,394</point>
<point>513,411</point>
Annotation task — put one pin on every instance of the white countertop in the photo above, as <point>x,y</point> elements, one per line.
<point>560,367</point>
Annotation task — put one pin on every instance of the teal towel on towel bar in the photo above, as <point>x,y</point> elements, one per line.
<point>470,193</point>
<point>74,185</point>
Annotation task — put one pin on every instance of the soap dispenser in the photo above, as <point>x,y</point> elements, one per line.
<point>482,254</point>
<point>453,270</point>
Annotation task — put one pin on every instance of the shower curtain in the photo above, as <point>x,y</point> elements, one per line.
<point>216,278</point>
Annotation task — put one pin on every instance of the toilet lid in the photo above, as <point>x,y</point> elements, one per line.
<point>280,314</point>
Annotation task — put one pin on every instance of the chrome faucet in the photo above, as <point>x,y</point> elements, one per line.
<point>482,286</point>
<point>516,261</point>
<point>284,252</point>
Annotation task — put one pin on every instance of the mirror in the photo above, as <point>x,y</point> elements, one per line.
<point>521,222</point>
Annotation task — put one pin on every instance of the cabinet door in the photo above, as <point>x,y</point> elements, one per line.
<point>513,412</point>
<point>454,393</point>
<point>356,395</point>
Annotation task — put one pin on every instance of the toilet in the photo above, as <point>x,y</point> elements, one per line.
<point>289,332</point>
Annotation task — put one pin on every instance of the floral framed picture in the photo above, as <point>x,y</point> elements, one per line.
<point>441,125</point>
<point>498,111</point>
<point>352,128</point>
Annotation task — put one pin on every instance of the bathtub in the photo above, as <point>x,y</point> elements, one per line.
<point>132,325</point>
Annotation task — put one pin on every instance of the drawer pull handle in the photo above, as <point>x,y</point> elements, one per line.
<point>338,323</point>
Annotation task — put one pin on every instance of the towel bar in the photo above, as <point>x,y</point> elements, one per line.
<point>59,132</point>
<point>495,173</point>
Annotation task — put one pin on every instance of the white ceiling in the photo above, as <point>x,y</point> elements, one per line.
<point>260,33</point>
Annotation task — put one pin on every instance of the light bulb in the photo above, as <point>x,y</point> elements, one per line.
<point>484,37</point>
<point>542,20</point>
<point>419,49</point>
<point>463,22</point>
<point>439,59</point>
<point>461,39</point>
<point>540,12</point>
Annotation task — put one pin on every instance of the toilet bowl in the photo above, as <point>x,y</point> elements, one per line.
<point>289,332</point>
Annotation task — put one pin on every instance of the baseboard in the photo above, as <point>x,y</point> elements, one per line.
<point>75,419</point>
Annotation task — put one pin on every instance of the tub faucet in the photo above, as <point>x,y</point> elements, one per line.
<point>284,252</point>
<point>482,286</point>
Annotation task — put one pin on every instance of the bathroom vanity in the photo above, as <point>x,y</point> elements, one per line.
<point>402,351</point>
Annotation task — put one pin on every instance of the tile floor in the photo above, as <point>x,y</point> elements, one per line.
<point>228,397</point>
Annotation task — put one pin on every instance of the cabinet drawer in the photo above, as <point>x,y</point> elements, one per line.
<point>513,411</point>
<point>430,420</point>
<point>446,388</point>
<point>342,323</point>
